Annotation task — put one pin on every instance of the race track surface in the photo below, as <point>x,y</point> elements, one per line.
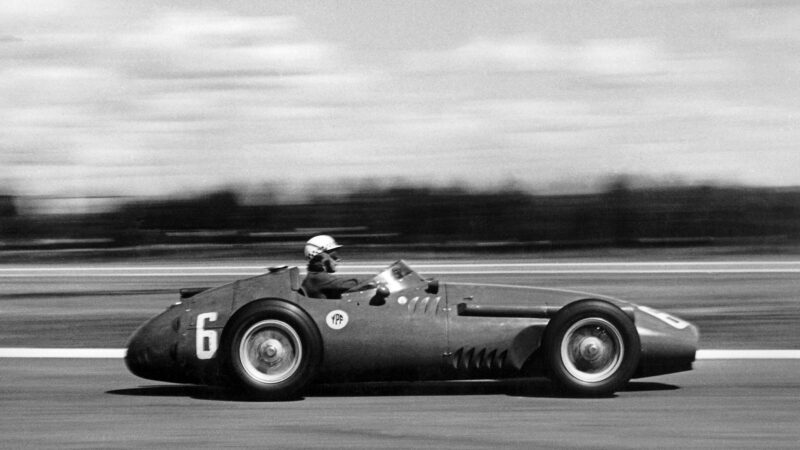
<point>96,403</point>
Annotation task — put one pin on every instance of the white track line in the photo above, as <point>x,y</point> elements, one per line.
<point>503,272</point>
<point>70,353</point>
<point>446,270</point>
<point>117,353</point>
<point>748,354</point>
<point>362,265</point>
<point>437,268</point>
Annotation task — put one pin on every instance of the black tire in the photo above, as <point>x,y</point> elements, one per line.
<point>273,350</point>
<point>591,349</point>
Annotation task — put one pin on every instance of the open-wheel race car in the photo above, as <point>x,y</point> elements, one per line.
<point>262,335</point>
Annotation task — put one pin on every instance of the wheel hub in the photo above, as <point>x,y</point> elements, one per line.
<point>270,351</point>
<point>591,348</point>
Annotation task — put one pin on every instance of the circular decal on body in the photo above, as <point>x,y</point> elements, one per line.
<point>402,300</point>
<point>337,319</point>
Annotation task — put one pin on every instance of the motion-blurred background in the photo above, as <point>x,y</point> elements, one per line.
<point>131,128</point>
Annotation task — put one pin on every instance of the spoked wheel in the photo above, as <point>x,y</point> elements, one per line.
<point>592,348</point>
<point>274,350</point>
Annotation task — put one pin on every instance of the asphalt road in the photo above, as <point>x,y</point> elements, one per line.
<point>96,403</point>
<point>60,403</point>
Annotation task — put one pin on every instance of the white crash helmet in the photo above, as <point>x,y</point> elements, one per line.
<point>319,244</point>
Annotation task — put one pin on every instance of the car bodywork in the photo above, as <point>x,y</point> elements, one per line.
<point>400,326</point>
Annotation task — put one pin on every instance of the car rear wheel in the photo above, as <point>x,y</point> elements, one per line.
<point>592,348</point>
<point>274,350</point>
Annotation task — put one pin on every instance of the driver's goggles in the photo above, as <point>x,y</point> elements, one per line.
<point>334,256</point>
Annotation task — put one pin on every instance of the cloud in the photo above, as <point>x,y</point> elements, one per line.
<point>217,28</point>
<point>769,26</point>
<point>621,57</point>
<point>515,53</point>
<point>163,96</point>
<point>629,59</point>
<point>521,53</point>
<point>211,43</point>
<point>36,9</point>
<point>173,97</point>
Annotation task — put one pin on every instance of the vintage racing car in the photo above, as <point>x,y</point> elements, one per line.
<point>264,336</point>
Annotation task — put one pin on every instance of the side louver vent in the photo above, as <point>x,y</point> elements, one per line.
<point>478,360</point>
<point>425,305</point>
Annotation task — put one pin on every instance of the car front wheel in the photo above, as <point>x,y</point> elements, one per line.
<point>592,348</point>
<point>274,351</point>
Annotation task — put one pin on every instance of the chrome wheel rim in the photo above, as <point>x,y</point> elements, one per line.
<point>592,350</point>
<point>270,351</point>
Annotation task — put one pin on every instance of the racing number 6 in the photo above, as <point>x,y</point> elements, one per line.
<point>202,335</point>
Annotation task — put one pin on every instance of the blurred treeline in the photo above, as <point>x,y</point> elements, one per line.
<point>429,217</point>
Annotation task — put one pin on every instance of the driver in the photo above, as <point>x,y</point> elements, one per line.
<point>322,259</point>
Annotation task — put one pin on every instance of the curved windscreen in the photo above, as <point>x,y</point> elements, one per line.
<point>398,276</point>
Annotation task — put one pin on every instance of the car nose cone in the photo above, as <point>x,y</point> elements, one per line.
<point>152,350</point>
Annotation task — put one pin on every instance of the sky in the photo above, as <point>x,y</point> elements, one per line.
<point>150,98</point>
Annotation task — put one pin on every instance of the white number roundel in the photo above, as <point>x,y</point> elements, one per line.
<point>337,319</point>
